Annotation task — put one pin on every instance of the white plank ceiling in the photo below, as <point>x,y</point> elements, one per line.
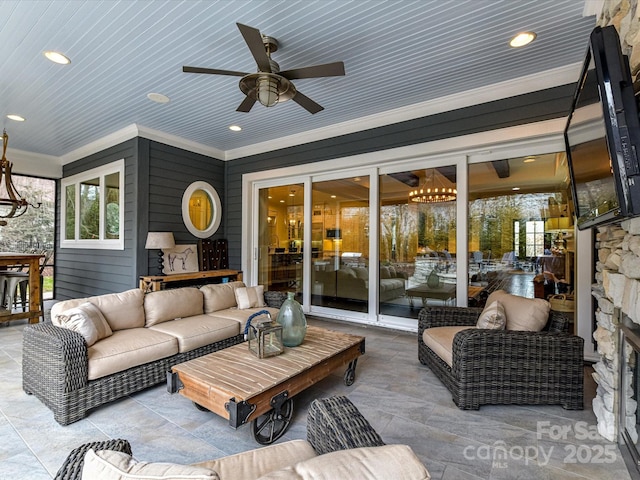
<point>397,55</point>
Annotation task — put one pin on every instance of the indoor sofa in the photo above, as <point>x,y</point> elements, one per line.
<point>98,349</point>
<point>352,283</point>
<point>529,359</point>
<point>341,444</point>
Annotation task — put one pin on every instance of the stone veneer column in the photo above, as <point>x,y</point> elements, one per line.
<point>617,286</point>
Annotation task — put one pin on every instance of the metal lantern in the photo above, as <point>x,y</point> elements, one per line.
<point>264,335</point>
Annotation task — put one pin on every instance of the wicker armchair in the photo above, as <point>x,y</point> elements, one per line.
<point>503,366</point>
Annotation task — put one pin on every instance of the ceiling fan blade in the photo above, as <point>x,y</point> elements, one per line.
<point>212,71</point>
<point>335,69</point>
<point>246,105</point>
<point>253,38</point>
<point>306,103</point>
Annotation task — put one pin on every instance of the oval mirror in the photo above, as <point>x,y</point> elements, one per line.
<point>201,209</point>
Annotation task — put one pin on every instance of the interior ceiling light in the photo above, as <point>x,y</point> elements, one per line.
<point>15,117</point>
<point>515,189</point>
<point>57,57</point>
<point>529,159</point>
<point>522,39</point>
<point>235,128</point>
<point>158,98</point>
<point>433,191</point>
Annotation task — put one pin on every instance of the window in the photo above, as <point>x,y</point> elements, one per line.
<point>93,208</point>
<point>535,238</point>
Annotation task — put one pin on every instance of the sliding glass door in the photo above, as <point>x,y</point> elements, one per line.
<point>417,240</point>
<point>281,238</point>
<point>340,244</point>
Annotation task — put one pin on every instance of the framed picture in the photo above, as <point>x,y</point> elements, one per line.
<point>180,259</point>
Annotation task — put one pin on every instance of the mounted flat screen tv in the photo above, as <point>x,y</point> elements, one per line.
<point>602,136</point>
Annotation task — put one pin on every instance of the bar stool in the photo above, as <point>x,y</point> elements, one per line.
<point>11,282</point>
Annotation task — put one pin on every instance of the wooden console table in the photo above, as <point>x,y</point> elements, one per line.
<point>159,282</point>
<point>32,262</point>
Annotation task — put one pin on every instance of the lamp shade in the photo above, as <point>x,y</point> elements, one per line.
<point>159,240</point>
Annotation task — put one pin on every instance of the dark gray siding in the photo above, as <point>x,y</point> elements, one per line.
<point>156,176</point>
<point>531,107</point>
<point>170,171</point>
<point>82,272</point>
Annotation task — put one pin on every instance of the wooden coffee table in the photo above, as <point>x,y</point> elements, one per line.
<point>235,384</point>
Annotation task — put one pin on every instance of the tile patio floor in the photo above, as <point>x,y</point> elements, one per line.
<point>401,398</point>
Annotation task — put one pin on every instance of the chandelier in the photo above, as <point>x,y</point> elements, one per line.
<point>433,191</point>
<point>12,204</point>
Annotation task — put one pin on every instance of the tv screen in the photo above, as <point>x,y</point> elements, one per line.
<point>601,136</point>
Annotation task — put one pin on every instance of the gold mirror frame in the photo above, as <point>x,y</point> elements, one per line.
<point>212,211</point>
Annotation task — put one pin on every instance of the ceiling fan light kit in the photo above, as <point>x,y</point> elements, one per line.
<point>269,86</point>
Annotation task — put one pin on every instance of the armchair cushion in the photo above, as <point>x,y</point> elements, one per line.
<point>492,317</point>
<point>440,340</point>
<point>526,314</point>
<point>110,465</point>
<point>387,461</point>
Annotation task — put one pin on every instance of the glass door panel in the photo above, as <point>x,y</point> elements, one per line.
<point>520,231</point>
<point>417,240</point>
<point>280,238</point>
<point>340,244</point>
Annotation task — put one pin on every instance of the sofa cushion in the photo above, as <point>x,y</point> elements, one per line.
<point>165,305</point>
<point>87,320</point>
<point>241,316</point>
<point>128,348</point>
<point>219,296</point>
<point>440,340</point>
<point>254,463</point>
<point>250,297</point>
<point>384,272</point>
<point>110,465</point>
<point>492,317</point>
<point>198,330</point>
<point>369,463</point>
<point>528,314</point>
<point>121,310</point>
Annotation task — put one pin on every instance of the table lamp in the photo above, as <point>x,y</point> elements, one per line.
<point>159,241</point>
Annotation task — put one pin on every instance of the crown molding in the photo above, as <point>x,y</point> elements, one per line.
<point>133,131</point>
<point>510,88</point>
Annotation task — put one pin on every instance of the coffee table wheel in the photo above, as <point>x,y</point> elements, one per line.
<point>349,376</point>
<point>201,408</point>
<point>269,427</point>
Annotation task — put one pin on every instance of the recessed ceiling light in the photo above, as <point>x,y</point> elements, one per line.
<point>281,201</point>
<point>529,159</point>
<point>57,57</point>
<point>515,189</point>
<point>522,39</point>
<point>158,98</point>
<point>16,118</point>
<point>235,128</point>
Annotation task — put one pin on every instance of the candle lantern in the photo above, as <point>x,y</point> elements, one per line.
<point>263,335</point>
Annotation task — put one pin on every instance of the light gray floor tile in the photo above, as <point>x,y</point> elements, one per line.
<point>402,399</point>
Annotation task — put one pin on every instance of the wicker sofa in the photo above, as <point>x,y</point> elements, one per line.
<point>505,366</point>
<point>340,444</point>
<point>149,334</point>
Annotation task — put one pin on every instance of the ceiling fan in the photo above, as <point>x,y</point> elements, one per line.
<point>269,85</point>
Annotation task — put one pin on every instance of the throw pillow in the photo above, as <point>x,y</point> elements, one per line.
<point>87,320</point>
<point>250,297</point>
<point>110,465</point>
<point>492,317</point>
<point>527,314</point>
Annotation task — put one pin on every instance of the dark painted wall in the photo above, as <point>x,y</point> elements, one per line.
<point>532,107</point>
<point>82,272</point>
<point>156,176</point>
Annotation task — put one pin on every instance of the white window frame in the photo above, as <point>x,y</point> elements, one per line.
<point>76,180</point>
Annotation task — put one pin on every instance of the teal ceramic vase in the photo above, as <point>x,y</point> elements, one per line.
<point>293,321</point>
